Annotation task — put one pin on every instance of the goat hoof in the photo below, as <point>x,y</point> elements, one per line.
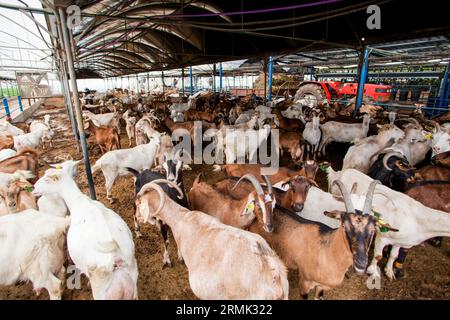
<point>390,273</point>
<point>138,234</point>
<point>167,265</point>
<point>111,200</point>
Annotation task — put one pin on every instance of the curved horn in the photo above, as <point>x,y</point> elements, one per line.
<point>269,185</point>
<point>434,124</point>
<point>410,120</point>
<point>159,181</point>
<point>369,197</point>
<point>161,193</point>
<point>388,155</point>
<point>345,195</point>
<point>253,181</point>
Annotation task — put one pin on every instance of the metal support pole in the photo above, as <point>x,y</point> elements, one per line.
<point>6,106</point>
<point>443,97</point>
<point>191,81</point>
<point>73,81</point>
<point>362,79</point>
<point>19,100</point>
<point>162,80</point>
<point>220,78</point>
<point>214,78</point>
<point>265,80</point>
<point>269,97</point>
<point>66,88</point>
<point>182,81</point>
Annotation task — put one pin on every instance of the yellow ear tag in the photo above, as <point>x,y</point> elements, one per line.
<point>427,135</point>
<point>58,167</point>
<point>250,206</point>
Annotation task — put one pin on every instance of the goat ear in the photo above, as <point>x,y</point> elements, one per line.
<point>335,214</point>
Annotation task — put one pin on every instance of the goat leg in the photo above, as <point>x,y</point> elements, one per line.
<point>137,230</point>
<point>318,293</point>
<point>377,256</point>
<point>164,229</point>
<point>389,269</point>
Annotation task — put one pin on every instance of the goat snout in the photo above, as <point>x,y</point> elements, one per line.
<point>297,207</point>
<point>268,228</point>
<point>359,271</point>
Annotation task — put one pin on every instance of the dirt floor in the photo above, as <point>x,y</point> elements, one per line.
<point>427,267</point>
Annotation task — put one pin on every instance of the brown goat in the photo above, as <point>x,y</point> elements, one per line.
<point>288,124</point>
<point>309,170</point>
<point>107,138</point>
<point>6,141</point>
<point>431,193</point>
<point>322,255</point>
<point>17,197</point>
<point>237,213</point>
<point>293,143</point>
<point>442,159</point>
<point>293,198</point>
<point>26,159</point>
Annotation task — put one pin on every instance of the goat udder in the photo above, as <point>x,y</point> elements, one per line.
<point>121,286</point>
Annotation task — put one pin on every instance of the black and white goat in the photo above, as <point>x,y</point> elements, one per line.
<point>174,173</point>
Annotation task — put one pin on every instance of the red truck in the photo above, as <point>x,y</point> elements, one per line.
<point>333,90</point>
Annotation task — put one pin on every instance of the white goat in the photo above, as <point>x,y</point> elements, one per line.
<point>30,140</point>
<point>37,125</point>
<point>53,203</point>
<point>130,127</point>
<point>223,262</point>
<point>144,128</point>
<point>99,241</point>
<point>414,145</point>
<point>360,155</point>
<point>104,120</point>
<point>11,129</point>
<point>7,153</point>
<point>114,163</point>
<point>294,112</point>
<point>343,132</point>
<point>32,248</point>
<point>312,135</point>
<point>415,222</point>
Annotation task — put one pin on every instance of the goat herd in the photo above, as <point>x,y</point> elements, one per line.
<point>239,236</point>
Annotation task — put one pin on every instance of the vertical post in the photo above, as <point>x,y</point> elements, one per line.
<point>182,81</point>
<point>269,97</point>
<point>191,81</point>
<point>265,80</point>
<point>73,81</point>
<point>214,79</point>
<point>162,80</point>
<point>444,95</point>
<point>5,104</point>
<point>19,100</point>
<point>220,78</point>
<point>362,79</point>
<point>66,88</point>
